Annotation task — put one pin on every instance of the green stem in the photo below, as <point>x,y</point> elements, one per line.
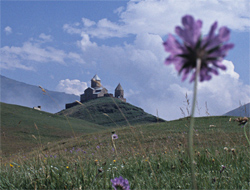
<point>114,147</point>
<point>245,133</point>
<point>191,128</point>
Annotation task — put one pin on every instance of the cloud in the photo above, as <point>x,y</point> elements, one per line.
<point>30,53</point>
<point>85,42</point>
<point>225,90</point>
<point>46,38</point>
<point>71,86</point>
<point>87,22</point>
<point>8,30</point>
<point>153,85</point>
<point>161,17</point>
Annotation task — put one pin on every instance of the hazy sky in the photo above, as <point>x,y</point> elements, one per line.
<point>61,45</point>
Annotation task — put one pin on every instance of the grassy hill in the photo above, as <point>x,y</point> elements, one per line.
<point>110,112</point>
<point>18,126</point>
<point>149,156</point>
<point>210,132</point>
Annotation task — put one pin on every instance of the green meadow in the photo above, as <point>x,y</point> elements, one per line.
<point>65,152</point>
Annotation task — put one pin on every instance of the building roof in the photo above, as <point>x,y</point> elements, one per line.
<point>96,78</point>
<point>119,87</point>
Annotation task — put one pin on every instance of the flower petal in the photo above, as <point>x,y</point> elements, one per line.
<point>224,34</point>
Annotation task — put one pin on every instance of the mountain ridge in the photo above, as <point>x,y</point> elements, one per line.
<point>20,93</point>
<point>242,111</point>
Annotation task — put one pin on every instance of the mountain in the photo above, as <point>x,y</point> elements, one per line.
<point>241,111</point>
<point>109,111</point>
<point>19,93</point>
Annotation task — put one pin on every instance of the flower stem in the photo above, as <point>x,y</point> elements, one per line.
<point>245,133</point>
<point>114,148</point>
<point>191,128</point>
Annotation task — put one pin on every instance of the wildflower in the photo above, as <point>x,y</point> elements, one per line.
<point>225,148</point>
<point>222,168</point>
<point>213,160</point>
<point>242,121</point>
<point>114,136</point>
<point>96,162</point>
<point>210,49</point>
<point>233,150</point>
<point>198,153</point>
<point>100,170</point>
<point>114,161</point>
<point>172,167</point>
<point>11,165</point>
<point>120,183</point>
<point>97,147</point>
<point>214,180</point>
<point>67,167</point>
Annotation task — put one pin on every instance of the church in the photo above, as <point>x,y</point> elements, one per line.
<point>97,91</point>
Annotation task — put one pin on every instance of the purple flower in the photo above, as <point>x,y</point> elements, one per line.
<point>120,183</point>
<point>222,168</point>
<point>97,147</point>
<point>210,49</point>
<point>114,136</point>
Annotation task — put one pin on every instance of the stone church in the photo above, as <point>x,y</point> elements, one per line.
<point>97,91</point>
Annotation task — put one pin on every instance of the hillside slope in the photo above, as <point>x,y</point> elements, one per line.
<point>241,111</point>
<point>19,93</point>
<point>109,111</point>
<point>18,126</point>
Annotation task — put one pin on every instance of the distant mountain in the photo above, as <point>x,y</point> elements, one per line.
<point>108,111</point>
<point>241,111</point>
<point>19,93</point>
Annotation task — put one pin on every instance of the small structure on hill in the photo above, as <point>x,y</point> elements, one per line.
<point>119,92</point>
<point>37,108</point>
<point>97,91</point>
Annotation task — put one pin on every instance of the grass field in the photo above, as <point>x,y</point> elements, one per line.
<point>149,156</point>
<point>18,124</point>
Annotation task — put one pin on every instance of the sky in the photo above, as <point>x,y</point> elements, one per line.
<point>61,45</point>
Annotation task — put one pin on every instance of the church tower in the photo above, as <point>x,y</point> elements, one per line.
<point>119,92</point>
<point>96,82</point>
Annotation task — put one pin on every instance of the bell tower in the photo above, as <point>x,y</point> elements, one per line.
<point>119,92</point>
<point>96,82</point>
